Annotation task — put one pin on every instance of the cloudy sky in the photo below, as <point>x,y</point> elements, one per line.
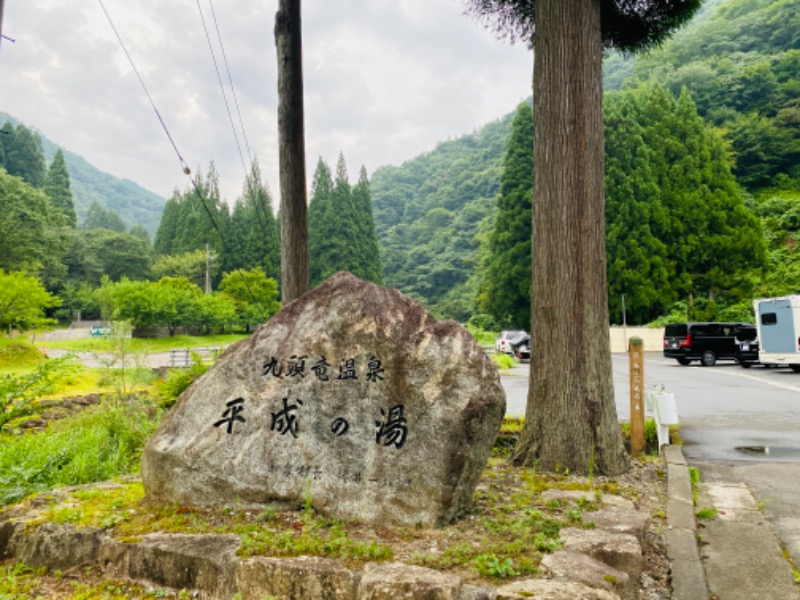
<point>385,80</point>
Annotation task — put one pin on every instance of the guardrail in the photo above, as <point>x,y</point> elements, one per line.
<point>183,357</point>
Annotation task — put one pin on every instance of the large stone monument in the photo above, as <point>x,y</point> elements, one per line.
<point>353,397</point>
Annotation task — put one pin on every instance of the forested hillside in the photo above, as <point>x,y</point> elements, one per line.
<point>693,207</point>
<point>134,204</point>
<point>429,212</point>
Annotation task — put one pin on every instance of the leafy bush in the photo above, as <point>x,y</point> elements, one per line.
<point>177,380</point>
<point>502,361</point>
<point>19,393</point>
<point>95,445</point>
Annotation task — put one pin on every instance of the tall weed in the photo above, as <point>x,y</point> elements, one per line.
<point>97,444</point>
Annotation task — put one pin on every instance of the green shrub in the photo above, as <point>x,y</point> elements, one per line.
<point>503,361</point>
<point>97,444</point>
<point>177,380</point>
<point>19,393</point>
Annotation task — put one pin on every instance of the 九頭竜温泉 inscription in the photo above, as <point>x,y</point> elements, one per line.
<point>352,396</point>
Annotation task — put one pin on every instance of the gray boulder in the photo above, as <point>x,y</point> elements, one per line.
<point>353,398</point>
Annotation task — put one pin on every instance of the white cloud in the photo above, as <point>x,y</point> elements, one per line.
<point>384,81</point>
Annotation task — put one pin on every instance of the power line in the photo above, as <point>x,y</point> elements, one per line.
<point>249,184</point>
<point>185,167</point>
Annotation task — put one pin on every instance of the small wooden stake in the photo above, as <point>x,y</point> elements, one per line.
<point>636,357</point>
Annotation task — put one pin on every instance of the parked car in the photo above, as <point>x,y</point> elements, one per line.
<point>748,346</point>
<point>707,342</point>
<point>521,347</point>
<point>503,342</point>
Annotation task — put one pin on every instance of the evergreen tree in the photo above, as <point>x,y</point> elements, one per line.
<point>369,262</point>
<point>638,262</point>
<point>167,228</point>
<point>253,241</point>
<point>570,419</point>
<point>25,157</point>
<point>57,187</point>
<point>321,235</point>
<point>6,139</point>
<point>506,291</point>
<point>203,217</point>
<point>344,225</point>
<point>98,217</point>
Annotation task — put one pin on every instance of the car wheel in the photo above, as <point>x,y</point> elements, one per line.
<point>795,368</point>
<point>709,358</point>
<point>745,364</point>
<point>683,361</point>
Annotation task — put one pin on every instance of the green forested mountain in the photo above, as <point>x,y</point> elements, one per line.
<point>676,220</point>
<point>134,204</point>
<point>741,64</point>
<point>430,211</point>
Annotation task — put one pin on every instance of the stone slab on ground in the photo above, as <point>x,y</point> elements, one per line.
<point>303,578</point>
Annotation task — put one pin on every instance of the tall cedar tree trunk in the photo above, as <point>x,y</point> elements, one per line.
<point>292,152</point>
<point>570,420</point>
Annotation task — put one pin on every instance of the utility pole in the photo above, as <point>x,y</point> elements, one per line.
<point>2,6</point>
<point>291,152</point>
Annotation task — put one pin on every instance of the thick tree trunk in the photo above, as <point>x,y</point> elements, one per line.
<point>292,153</point>
<point>571,420</point>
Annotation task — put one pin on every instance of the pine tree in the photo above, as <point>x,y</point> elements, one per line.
<point>506,293</point>
<point>57,187</point>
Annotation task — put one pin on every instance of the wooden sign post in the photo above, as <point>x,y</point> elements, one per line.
<point>636,358</point>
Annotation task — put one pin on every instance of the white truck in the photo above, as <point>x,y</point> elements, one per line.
<point>778,324</point>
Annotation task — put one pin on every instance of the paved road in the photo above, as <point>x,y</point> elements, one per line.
<point>744,419</point>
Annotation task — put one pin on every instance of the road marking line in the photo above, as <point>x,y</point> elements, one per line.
<point>783,386</point>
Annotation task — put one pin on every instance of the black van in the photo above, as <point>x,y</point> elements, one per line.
<point>709,342</point>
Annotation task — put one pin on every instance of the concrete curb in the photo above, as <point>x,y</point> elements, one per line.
<point>688,575</point>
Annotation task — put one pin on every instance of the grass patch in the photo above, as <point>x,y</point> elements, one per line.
<point>146,345</point>
<point>503,361</point>
<point>98,443</point>
<point>706,514</point>
<point>19,356</point>
<point>510,528</point>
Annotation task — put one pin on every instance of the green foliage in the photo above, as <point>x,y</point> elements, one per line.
<point>254,294</point>
<point>177,380</point>
<point>23,155</point>
<point>23,301</point>
<point>97,444</point>
<point>707,514</point>
<point>506,289</point>
<point>626,26</point>
<point>341,230</point>
<point>169,302</point>
<point>194,218</point>
<point>740,63</point>
<point>430,212</point>
<point>503,361</point>
<point>99,217</point>
<point>188,265</point>
<point>30,235</point>
<point>19,393</point>
<point>57,189</point>
<point>253,241</point>
<point>489,565</point>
